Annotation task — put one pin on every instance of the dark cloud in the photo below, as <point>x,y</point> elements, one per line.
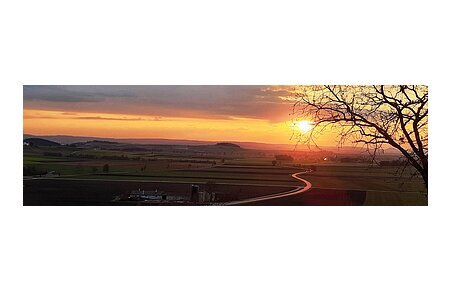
<point>58,94</point>
<point>261,102</point>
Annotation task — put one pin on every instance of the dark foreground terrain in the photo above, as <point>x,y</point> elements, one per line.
<point>102,192</point>
<point>95,192</point>
<point>320,197</point>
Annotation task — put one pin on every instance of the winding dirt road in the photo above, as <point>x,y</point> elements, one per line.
<point>298,190</point>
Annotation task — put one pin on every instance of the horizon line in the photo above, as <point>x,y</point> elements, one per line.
<point>160,138</point>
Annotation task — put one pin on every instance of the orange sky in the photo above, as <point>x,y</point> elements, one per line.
<point>238,113</point>
<point>41,122</point>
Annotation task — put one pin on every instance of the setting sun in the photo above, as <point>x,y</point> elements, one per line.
<point>304,126</point>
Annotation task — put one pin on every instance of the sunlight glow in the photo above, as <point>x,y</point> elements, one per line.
<point>42,122</point>
<point>304,126</point>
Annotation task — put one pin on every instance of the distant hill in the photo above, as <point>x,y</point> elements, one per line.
<point>94,143</point>
<point>103,142</point>
<point>226,144</point>
<point>40,142</point>
<point>66,140</point>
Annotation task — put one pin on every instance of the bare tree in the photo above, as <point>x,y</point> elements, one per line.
<point>375,116</point>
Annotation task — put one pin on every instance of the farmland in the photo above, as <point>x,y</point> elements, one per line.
<point>94,172</point>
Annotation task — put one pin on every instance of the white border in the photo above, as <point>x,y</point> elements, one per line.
<point>234,42</point>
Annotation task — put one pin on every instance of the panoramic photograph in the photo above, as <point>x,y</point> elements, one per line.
<point>225,145</point>
<point>248,145</point>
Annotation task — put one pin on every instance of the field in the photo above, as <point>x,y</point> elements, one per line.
<point>384,185</point>
<point>95,174</point>
<point>102,192</point>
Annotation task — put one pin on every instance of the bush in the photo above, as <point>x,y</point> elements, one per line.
<point>284,157</point>
<point>31,170</point>
<point>393,163</point>
<point>54,154</point>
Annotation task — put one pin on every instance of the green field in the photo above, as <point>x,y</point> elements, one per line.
<point>384,185</point>
<point>374,198</point>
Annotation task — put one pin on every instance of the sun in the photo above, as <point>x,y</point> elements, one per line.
<point>304,126</point>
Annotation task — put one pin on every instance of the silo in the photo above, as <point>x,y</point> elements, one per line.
<point>195,193</point>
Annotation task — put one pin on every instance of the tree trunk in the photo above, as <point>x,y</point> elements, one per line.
<point>424,174</point>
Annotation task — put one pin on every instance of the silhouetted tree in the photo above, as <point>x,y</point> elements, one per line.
<point>374,116</point>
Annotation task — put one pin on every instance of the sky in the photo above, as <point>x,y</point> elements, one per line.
<point>210,113</point>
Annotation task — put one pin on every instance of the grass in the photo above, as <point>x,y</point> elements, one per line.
<point>38,159</point>
<point>374,198</point>
<point>366,183</point>
<point>192,179</point>
<point>382,185</point>
<point>250,162</point>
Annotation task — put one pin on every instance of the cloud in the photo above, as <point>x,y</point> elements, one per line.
<point>78,116</point>
<point>57,94</point>
<point>109,118</point>
<point>260,102</point>
<point>117,119</point>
